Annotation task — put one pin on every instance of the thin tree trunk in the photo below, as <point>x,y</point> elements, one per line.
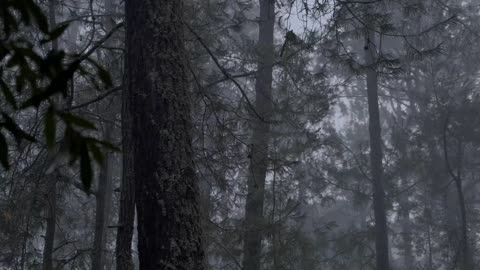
<point>126,215</point>
<point>166,191</point>
<point>381,233</point>
<point>466,262</point>
<point>430,249</point>
<point>123,249</point>
<point>52,192</point>
<point>51,224</point>
<point>104,197</point>
<point>252,248</point>
<point>126,212</point>
<point>104,192</point>
<point>408,258</point>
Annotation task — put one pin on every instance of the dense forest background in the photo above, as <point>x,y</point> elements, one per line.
<point>239,134</point>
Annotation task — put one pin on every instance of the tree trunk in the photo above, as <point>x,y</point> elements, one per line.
<point>104,192</point>
<point>51,224</point>
<point>52,192</point>
<point>381,233</point>
<point>260,139</point>
<point>169,231</point>
<point>126,212</point>
<point>104,197</point>
<point>126,215</point>
<point>466,261</point>
<point>408,259</point>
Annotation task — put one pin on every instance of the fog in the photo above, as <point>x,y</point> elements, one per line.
<point>239,134</point>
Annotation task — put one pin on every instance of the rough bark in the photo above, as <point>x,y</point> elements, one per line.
<point>381,233</point>
<point>260,139</point>
<point>169,231</point>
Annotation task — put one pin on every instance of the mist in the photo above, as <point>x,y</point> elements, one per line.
<point>239,134</point>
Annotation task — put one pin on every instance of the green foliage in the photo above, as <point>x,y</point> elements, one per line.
<point>30,78</point>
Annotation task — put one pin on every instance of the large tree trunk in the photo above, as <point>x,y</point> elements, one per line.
<point>260,139</point>
<point>381,233</point>
<point>52,190</point>
<point>169,231</point>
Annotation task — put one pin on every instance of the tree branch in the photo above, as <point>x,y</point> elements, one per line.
<point>225,72</point>
<point>100,97</point>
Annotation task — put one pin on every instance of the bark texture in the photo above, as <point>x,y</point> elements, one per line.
<point>169,231</point>
<point>381,230</point>
<point>252,248</point>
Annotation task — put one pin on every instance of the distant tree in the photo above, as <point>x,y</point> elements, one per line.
<point>259,145</point>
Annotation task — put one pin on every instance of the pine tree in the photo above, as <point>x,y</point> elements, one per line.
<point>169,233</point>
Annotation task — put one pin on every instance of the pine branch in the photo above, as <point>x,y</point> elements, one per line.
<point>225,72</point>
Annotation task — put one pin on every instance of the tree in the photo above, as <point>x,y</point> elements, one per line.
<point>169,233</point>
<point>257,171</point>
<point>105,180</point>
<point>52,192</point>
<point>381,230</point>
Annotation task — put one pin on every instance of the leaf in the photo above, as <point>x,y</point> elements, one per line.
<point>52,65</point>
<point>59,84</point>
<point>102,74</point>
<point>71,119</point>
<point>290,36</point>
<point>25,16</point>
<point>55,33</point>
<point>72,142</point>
<point>10,24</point>
<point>86,173</point>
<point>15,130</point>
<point>97,154</point>
<point>50,127</point>
<point>8,94</point>
<point>38,16</point>
<point>4,152</point>
<point>105,144</point>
